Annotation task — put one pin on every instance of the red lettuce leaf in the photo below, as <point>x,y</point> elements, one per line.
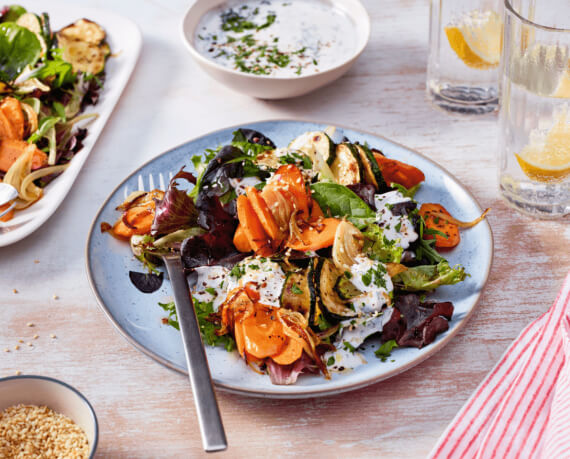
<point>288,374</point>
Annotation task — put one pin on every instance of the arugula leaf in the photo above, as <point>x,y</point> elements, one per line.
<point>57,69</point>
<point>407,192</point>
<point>429,277</point>
<point>385,350</point>
<point>425,248</point>
<point>377,247</point>
<point>19,48</point>
<point>207,327</point>
<point>338,201</point>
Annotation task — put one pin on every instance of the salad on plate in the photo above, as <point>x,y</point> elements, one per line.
<point>298,255</point>
<point>47,79</point>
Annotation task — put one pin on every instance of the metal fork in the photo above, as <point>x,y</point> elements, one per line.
<point>209,419</point>
<point>7,193</point>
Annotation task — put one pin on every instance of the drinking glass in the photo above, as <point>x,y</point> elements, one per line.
<point>464,55</point>
<point>534,146</point>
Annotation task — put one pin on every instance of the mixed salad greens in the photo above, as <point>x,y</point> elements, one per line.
<point>298,255</point>
<point>47,79</point>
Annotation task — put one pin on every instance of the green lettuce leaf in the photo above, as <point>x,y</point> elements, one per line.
<point>338,201</point>
<point>377,247</point>
<point>18,48</point>
<point>429,277</point>
<point>13,13</point>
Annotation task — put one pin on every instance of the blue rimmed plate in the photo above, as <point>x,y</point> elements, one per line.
<point>139,319</point>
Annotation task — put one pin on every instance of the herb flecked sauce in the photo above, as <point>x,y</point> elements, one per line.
<point>276,38</point>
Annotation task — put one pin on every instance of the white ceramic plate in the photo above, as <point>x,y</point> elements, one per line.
<point>125,40</point>
<point>268,87</point>
<point>139,319</point>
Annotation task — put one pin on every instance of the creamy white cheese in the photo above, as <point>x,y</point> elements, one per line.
<point>240,185</point>
<point>372,279</point>
<point>352,334</point>
<point>210,284</point>
<point>263,275</point>
<point>396,228</point>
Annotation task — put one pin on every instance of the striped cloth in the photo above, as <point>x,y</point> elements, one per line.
<point>522,408</point>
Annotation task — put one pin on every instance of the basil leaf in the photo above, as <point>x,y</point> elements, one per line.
<point>19,48</point>
<point>338,201</point>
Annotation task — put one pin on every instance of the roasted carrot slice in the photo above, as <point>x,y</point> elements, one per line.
<point>256,235</point>
<point>289,177</point>
<point>10,150</point>
<point>265,216</point>
<point>315,237</point>
<point>263,332</point>
<point>395,171</point>
<point>139,219</point>
<point>9,215</point>
<point>7,129</point>
<point>440,224</point>
<point>13,111</point>
<point>316,211</point>
<point>240,240</point>
<point>291,352</point>
<point>121,230</point>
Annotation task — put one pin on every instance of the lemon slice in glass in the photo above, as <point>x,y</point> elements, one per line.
<point>548,159</point>
<point>477,39</point>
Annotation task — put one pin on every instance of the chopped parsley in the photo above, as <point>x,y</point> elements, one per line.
<point>237,271</point>
<point>297,158</point>
<point>349,347</point>
<point>330,361</point>
<point>296,290</point>
<point>211,290</point>
<point>375,275</point>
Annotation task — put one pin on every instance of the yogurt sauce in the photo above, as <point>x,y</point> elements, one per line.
<point>275,37</point>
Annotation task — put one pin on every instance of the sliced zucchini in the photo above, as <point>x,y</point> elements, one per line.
<point>346,289</point>
<point>374,168</point>
<point>347,166</point>
<point>324,146</point>
<point>83,30</point>
<point>83,46</point>
<point>299,292</point>
<point>332,305</point>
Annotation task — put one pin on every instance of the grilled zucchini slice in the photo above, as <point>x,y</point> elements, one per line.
<point>373,172</point>
<point>331,304</point>
<point>347,166</point>
<point>83,46</point>
<point>315,142</point>
<point>299,292</point>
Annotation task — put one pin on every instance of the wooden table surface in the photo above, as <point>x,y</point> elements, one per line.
<point>146,410</point>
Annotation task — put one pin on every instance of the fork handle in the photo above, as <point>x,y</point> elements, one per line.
<point>209,419</point>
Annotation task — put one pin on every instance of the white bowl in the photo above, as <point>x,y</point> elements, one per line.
<point>56,395</point>
<point>268,87</point>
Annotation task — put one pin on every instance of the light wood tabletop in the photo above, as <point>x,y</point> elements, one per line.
<point>146,410</point>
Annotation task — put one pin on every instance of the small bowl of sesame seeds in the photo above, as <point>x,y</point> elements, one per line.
<point>44,417</point>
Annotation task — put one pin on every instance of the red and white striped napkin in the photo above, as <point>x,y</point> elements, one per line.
<point>522,408</point>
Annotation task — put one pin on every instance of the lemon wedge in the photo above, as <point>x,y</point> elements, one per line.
<point>477,39</point>
<point>547,159</point>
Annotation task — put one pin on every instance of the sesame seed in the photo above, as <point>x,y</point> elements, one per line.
<point>6,350</point>
<point>18,373</point>
<point>16,347</point>
<point>36,261</point>
<point>29,324</point>
<point>52,336</point>
<point>20,341</point>
<point>14,291</point>
<point>55,297</point>
<point>36,336</point>
<point>30,344</point>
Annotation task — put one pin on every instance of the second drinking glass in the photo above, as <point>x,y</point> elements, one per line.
<point>464,54</point>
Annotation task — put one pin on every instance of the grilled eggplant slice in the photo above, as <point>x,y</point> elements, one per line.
<point>83,30</point>
<point>331,304</point>
<point>347,166</point>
